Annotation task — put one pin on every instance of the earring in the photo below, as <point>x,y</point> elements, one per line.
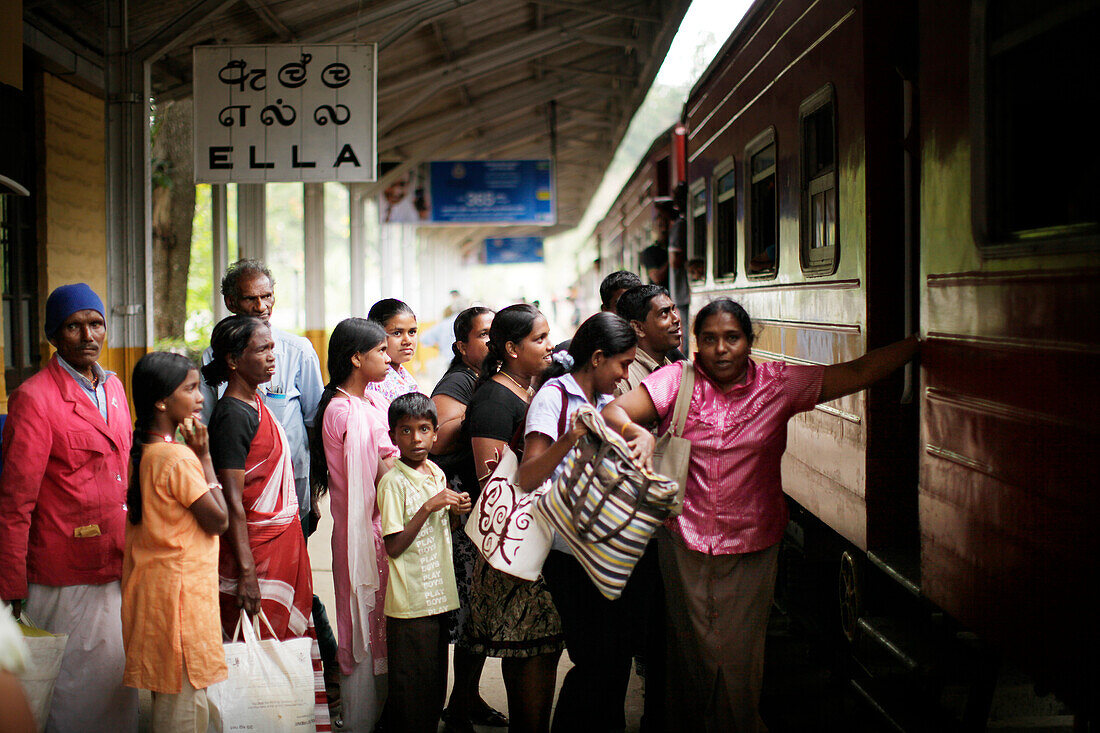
<point>160,406</point>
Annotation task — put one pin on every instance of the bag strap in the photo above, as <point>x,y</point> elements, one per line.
<point>261,616</point>
<point>683,399</point>
<point>518,437</point>
<point>564,406</point>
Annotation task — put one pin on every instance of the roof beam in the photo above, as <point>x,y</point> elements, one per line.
<point>259,7</point>
<point>169,35</point>
<point>423,15</point>
<point>503,104</point>
<point>329,31</point>
<point>599,8</point>
<point>601,40</point>
<point>523,48</point>
<point>568,69</point>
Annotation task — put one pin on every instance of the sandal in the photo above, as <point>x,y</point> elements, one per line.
<point>487,716</point>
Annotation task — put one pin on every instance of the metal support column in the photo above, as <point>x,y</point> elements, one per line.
<point>313,216</point>
<point>219,205</point>
<point>129,236</point>
<point>357,249</point>
<point>252,221</point>
<point>389,261</point>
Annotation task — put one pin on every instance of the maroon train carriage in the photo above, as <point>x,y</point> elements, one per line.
<point>630,223</point>
<point>862,171</point>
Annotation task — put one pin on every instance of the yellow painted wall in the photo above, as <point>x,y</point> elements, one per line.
<point>72,199</point>
<point>72,221</point>
<point>11,43</point>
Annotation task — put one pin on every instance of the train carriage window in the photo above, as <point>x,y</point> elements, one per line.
<point>1037,89</point>
<point>697,236</point>
<point>762,254</point>
<point>663,176</point>
<point>818,222</point>
<point>725,220</point>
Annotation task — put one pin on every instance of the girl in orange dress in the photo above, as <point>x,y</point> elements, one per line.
<point>170,623</point>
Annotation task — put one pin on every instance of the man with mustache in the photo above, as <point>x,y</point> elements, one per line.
<point>67,445</point>
<point>656,321</point>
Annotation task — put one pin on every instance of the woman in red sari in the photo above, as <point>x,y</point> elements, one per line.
<point>263,562</point>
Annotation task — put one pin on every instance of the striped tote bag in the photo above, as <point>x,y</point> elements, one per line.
<point>606,506</point>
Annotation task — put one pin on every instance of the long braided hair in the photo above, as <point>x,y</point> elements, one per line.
<point>156,376</point>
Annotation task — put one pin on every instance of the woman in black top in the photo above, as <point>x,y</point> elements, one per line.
<point>453,454</point>
<point>511,618</point>
<point>453,393</point>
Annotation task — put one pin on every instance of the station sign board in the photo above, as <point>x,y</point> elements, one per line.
<point>513,250</point>
<point>492,192</point>
<point>287,112</point>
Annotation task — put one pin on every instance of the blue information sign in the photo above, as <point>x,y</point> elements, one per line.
<point>492,191</point>
<point>510,250</point>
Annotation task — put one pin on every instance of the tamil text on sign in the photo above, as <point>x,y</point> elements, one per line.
<point>290,112</point>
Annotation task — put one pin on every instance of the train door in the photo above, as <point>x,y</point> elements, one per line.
<point>893,538</point>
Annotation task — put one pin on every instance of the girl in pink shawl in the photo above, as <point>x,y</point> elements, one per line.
<point>351,450</point>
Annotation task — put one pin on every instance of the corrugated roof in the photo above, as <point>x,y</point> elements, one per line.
<point>457,78</point>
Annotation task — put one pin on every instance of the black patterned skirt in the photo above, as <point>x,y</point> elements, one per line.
<point>510,617</point>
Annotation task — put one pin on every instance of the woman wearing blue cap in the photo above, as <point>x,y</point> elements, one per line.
<point>63,511</point>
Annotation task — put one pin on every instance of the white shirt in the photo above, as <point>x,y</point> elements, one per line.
<point>544,416</point>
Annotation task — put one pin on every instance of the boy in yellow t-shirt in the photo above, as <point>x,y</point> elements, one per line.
<point>421,588</point>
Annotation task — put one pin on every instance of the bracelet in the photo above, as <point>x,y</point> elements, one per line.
<point>213,485</point>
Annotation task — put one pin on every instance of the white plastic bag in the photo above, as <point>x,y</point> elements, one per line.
<point>270,683</point>
<point>44,654</point>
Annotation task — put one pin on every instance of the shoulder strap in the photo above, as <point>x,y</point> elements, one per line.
<point>564,406</point>
<point>683,399</point>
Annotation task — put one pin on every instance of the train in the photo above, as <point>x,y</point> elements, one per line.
<point>860,171</point>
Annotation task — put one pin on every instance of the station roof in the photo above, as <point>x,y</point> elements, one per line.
<point>458,79</point>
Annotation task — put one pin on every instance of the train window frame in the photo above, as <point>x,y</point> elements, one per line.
<point>698,186</point>
<point>757,145</point>
<point>819,261</point>
<point>992,240</point>
<point>727,167</point>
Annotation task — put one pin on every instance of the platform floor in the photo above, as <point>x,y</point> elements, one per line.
<point>802,690</point>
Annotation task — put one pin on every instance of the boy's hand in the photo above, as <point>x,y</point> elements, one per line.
<point>196,436</point>
<point>464,504</point>
<point>445,498</point>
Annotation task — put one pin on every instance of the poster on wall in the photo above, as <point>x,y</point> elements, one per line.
<point>492,192</point>
<point>406,200</point>
<point>288,112</point>
<point>512,250</point>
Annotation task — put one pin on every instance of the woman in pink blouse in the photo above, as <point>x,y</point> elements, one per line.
<point>719,557</point>
<point>399,322</point>
<point>351,450</point>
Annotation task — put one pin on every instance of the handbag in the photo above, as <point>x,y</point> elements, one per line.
<point>672,451</point>
<point>270,682</point>
<point>503,525</point>
<point>44,654</point>
<point>606,506</point>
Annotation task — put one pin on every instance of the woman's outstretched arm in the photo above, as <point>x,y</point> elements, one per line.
<point>852,376</point>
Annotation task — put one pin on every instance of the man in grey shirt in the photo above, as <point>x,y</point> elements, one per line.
<point>293,393</point>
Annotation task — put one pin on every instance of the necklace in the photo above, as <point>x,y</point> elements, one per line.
<point>527,390</point>
<point>160,436</point>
